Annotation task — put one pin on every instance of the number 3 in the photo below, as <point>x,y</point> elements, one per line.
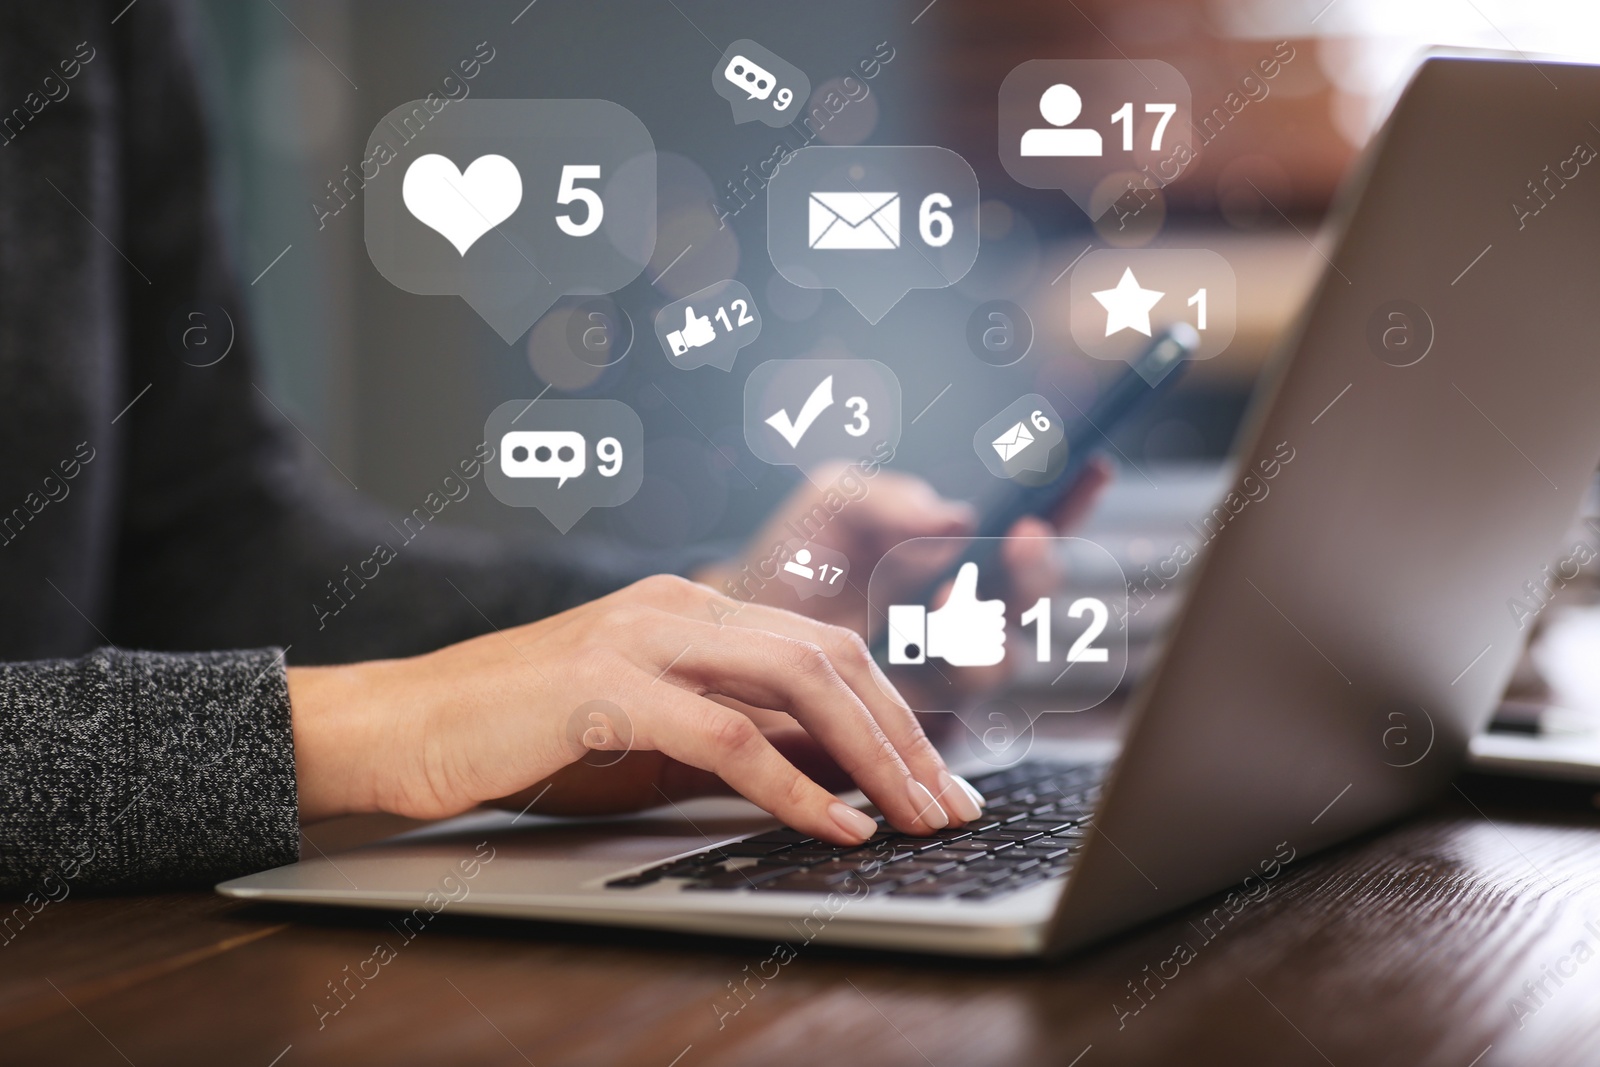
<point>861,424</point>
<point>569,192</point>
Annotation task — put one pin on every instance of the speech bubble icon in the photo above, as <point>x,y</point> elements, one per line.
<point>510,204</point>
<point>813,570</point>
<point>560,454</point>
<point>1120,298</point>
<point>1102,131</point>
<point>1066,639</point>
<point>708,328</point>
<point>564,457</point>
<point>808,412</point>
<point>1026,436</point>
<point>760,84</point>
<point>873,222</point>
<point>753,80</point>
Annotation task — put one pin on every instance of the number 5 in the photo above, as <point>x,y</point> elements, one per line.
<point>569,192</point>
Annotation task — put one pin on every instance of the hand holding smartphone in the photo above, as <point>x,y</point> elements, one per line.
<point>1154,371</point>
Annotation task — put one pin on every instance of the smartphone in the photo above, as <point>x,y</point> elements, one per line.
<point>1154,371</point>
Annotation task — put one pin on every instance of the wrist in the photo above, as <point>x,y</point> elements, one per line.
<point>333,740</point>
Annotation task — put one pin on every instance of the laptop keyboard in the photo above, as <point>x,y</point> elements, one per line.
<point>1031,831</point>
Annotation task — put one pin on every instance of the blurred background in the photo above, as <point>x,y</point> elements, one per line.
<point>394,388</point>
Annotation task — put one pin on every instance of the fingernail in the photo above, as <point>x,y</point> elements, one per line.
<point>927,808</point>
<point>977,797</point>
<point>959,797</point>
<point>853,822</point>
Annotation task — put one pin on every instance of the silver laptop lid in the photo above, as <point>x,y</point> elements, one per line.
<point>1435,418</point>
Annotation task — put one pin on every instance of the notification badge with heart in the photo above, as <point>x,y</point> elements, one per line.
<point>535,200</point>
<point>462,206</point>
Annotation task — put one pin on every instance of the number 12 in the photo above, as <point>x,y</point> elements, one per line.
<point>1082,650</point>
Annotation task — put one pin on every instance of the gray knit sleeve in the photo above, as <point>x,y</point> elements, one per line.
<point>134,770</point>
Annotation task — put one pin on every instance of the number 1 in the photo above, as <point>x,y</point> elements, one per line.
<point>1040,613</point>
<point>1198,301</point>
<point>1124,115</point>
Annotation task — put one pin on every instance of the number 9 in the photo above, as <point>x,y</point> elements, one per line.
<point>1040,422</point>
<point>608,450</point>
<point>784,98</point>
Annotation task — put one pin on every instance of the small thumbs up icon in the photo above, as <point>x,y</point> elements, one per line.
<point>697,331</point>
<point>964,632</point>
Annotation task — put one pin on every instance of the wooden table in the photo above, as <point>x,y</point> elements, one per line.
<point>1410,946</point>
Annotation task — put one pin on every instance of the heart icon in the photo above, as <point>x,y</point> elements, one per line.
<point>462,207</point>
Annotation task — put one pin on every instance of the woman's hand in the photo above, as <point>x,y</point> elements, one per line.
<point>492,717</point>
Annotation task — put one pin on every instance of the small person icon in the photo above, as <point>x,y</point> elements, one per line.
<point>798,564</point>
<point>1061,105</point>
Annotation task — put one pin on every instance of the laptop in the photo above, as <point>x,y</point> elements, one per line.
<point>1367,595</point>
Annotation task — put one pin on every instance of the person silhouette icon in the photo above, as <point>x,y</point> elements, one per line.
<point>1060,105</point>
<point>798,564</point>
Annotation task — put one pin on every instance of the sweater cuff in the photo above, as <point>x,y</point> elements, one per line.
<point>212,785</point>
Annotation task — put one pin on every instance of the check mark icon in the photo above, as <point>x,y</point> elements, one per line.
<point>820,400</point>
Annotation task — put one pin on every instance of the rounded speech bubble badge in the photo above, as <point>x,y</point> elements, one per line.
<point>1121,298</point>
<point>708,328</point>
<point>1102,131</point>
<point>806,412</point>
<point>1066,640</point>
<point>813,570</point>
<point>510,204</point>
<point>759,84</point>
<point>1026,436</point>
<point>564,457</point>
<point>873,222</point>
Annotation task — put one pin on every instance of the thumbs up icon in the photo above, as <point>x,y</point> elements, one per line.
<point>697,331</point>
<point>964,632</point>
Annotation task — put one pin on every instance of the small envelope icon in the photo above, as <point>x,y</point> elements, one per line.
<point>855,220</point>
<point>1013,441</point>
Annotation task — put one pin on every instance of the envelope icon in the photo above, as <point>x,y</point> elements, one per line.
<point>1013,441</point>
<point>855,220</point>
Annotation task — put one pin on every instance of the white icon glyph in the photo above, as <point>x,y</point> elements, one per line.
<point>462,206</point>
<point>1128,305</point>
<point>964,632</point>
<point>854,221</point>
<point>1061,105</point>
<point>697,332</point>
<point>820,400</point>
<point>1013,441</point>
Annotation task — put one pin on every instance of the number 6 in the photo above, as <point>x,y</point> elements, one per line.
<point>929,220</point>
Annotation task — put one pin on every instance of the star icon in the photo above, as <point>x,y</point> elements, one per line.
<point>1128,305</point>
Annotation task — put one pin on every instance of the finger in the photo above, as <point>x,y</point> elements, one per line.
<point>706,735</point>
<point>1030,562</point>
<point>688,316</point>
<point>798,676</point>
<point>853,661</point>
<point>1075,506</point>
